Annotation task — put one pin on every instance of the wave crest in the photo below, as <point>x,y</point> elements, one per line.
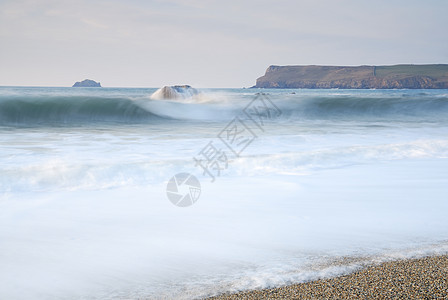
<point>34,110</point>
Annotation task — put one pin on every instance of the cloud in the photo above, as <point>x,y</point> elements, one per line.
<point>214,43</point>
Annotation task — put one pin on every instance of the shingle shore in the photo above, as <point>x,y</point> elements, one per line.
<point>424,278</point>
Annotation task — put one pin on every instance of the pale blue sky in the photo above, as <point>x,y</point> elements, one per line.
<point>208,43</point>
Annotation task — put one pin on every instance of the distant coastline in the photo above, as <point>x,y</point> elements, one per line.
<point>433,76</point>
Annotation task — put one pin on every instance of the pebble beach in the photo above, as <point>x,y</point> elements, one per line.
<point>423,278</point>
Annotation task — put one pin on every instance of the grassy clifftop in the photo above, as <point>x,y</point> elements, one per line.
<point>361,77</point>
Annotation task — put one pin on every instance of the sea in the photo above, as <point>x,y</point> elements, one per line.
<point>110,193</point>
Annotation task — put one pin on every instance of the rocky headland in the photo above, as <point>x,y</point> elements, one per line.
<point>359,77</point>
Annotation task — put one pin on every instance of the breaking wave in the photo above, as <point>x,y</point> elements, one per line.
<point>37,110</point>
<point>367,107</point>
<point>70,109</point>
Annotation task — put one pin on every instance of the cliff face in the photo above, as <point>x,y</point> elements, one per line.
<point>361,77</point>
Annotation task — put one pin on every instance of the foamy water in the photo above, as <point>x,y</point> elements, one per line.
<point>84,211</point>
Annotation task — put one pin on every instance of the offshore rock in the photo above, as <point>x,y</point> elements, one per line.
<point>175,92</point>
<point>87,83</point>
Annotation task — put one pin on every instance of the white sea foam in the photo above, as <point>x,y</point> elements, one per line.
<point>84,214</point>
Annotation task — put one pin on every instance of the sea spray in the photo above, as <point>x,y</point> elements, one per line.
<point>83,176</point>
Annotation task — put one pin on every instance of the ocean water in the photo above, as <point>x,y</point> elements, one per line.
<point>300,180</point>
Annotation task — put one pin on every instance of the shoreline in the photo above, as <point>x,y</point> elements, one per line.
<point>425,277</point>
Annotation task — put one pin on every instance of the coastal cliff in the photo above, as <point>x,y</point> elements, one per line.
<point>360,77</point>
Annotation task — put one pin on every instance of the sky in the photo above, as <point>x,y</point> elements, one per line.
<point>208,43</point>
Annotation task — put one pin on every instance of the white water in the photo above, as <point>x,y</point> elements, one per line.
<point>84,214</point>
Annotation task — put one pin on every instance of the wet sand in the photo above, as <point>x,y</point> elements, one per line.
<point>424,278</point>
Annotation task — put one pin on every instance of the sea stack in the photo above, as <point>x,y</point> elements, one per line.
<point>87,83</point>
<point>175,92</point>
